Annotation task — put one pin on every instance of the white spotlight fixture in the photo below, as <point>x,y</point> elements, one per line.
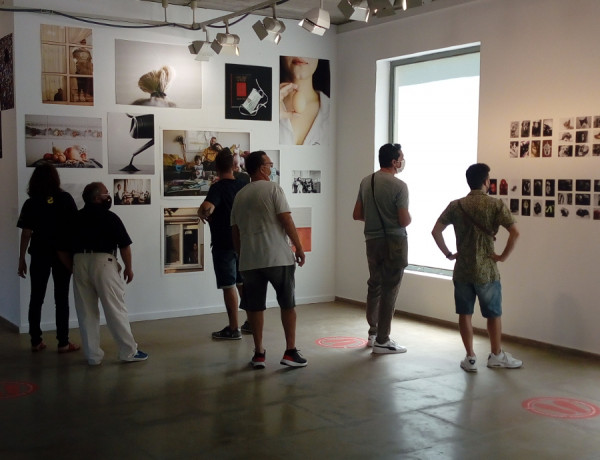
<point>226,43</point>
<point>202,49</point>
<point>269,28</point>
<point>355,10</point>
<point>316,21</point>
<point>381,8</point>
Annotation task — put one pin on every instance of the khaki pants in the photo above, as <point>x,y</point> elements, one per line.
<point>98,276</point>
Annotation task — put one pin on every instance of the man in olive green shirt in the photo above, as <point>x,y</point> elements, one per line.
<point>476,219</point>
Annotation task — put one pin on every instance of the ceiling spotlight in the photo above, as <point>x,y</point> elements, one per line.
<point>316,21</point>
<point>381,8</point>
<point>355,10</point>
<point>226,43</point>
<point>202,48</point>
<point>270,28</point>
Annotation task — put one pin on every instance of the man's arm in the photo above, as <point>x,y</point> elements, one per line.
<point>404,218</point>
<point>126,256</point>
<point>25,238</point>
<point>359,212</point>
<point>285,218</point>
<point>513,234</point>
<point>235,235</point>
<point>438,236</point>
<point>205,210</point>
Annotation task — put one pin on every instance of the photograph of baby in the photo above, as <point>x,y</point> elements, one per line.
<point>157,74</point>
<point>131,191</point>
<point>304,92</point>
<point>306,181</point>
<point>130,143</point>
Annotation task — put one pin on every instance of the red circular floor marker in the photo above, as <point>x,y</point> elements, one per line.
<point>341,342</point>
<point>561,407</point>
<point>16,389</point>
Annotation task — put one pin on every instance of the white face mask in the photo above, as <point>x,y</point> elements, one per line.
<point>401,168</point>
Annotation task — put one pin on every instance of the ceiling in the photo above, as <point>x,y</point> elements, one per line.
<point>290,9</point>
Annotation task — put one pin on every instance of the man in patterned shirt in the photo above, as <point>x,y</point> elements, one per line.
<point>476,219</point>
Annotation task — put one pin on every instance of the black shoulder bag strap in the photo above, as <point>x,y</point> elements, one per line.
<point>376,205</point>
<point>477,224</point>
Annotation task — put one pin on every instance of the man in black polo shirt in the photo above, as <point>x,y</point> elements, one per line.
<point>216,209</point>
<point>96,234</point>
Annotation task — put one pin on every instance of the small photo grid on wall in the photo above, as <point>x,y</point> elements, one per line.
<point>577,199</point>
<point>531,138</point>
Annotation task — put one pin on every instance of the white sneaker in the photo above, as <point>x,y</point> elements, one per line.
<point>469,364</point>
<point>388,347</point>
<point>371,341</point>
<point>503,359</point>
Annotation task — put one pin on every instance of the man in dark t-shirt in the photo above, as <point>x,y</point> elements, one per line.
<point>91,253</point>
<point>216,210</point>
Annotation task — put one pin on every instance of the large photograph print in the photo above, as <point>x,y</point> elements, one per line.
<point>130,143</point>
<point>304,91</point>
<point>69,142</point>
<point>156,74</point>
<point>189,159</point>
<point>67,65</point>
<point>248,92</point>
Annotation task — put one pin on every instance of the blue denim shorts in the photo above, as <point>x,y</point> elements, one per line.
<point>489,295</point>
<point>226,266</point>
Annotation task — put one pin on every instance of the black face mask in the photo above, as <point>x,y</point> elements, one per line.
<point>106,204</point>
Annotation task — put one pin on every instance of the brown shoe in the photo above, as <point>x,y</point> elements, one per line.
<point>69,348</point>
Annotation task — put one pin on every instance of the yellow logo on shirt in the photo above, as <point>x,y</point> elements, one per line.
<point>50,200</point>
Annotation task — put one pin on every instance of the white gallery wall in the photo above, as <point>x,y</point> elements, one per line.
<point>539,59</point>
<point>153,294</point>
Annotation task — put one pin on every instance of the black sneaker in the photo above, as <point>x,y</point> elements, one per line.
<point>227,334</point>
<point>246,329</point>
<point>293,358</point>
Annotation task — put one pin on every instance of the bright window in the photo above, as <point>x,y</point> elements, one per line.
<point>435,117</point>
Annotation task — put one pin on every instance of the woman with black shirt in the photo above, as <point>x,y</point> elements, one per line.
<point>44,215</point>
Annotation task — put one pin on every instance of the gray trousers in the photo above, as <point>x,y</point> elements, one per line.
<point>384,282</point>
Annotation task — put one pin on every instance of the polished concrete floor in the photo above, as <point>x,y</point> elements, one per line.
<point>196,398</point>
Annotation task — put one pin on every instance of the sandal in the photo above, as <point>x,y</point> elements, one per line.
<point>69,348</point>
<point>39,347</point>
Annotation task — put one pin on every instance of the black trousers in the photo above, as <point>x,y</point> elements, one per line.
<point>39,272</point>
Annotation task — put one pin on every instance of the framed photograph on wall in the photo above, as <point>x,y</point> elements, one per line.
<point>183,240</point>
<point>67,65</point>
<point>66,142</point>
<point>7,89</point>
<point>132,192</point>
<point>189,158</point>
<point>305,88</point>
<point>303,221</point>
<point>130,143</point>
<point>306,181</point>
<point>157,75</point>
<point>248,92</point>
